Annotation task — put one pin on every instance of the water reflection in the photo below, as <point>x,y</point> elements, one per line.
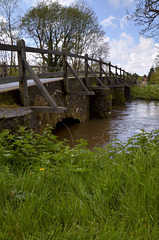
<point>125,121</point>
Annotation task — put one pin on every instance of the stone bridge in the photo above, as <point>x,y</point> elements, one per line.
<point>50,97</point>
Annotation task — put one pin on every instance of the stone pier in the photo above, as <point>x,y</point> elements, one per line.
<point>100,104</point>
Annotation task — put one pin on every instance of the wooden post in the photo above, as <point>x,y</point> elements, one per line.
<point>86,71</point>
<point>120,75</point>
<point>100,68</point>
<point>110,69</point>
<point>23,88</point>
<point>65,77</point>
<point>116,71</point>
<point>131,77</point>
<point>124,75</point>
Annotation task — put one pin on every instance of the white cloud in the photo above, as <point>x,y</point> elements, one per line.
<point>113,22</point>
<point>123,23</point>
<point>119,3</point>
<point>120,49</point>
<point>66,2</point>
<point>133,58</point>
<point>63,2</point>
<point>142,56</point>
<point>109,22</point>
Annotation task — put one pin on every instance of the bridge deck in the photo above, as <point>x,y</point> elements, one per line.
<point>12,86</point>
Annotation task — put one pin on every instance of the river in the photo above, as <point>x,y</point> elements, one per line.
<point>125,121</point>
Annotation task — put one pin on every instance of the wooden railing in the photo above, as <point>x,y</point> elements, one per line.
<point>106,75</point>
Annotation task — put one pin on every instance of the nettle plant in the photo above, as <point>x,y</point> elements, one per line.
<point>25,148</point>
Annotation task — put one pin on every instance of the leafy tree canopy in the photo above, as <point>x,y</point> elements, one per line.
<point>54,27</point>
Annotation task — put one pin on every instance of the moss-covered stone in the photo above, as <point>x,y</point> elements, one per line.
<point>118,95</point>
<point>100,104</point>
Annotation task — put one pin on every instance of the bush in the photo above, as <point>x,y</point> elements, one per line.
<point>149,92</point>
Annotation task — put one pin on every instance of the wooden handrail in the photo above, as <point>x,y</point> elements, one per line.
<point>17,48</point>
<point>7,47</point>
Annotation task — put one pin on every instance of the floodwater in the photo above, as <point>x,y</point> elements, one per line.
<point>126,121</point>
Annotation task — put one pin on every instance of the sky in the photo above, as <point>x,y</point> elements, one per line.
<point>128,49</point>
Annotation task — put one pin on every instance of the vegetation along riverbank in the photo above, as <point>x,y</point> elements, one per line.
<point>51,191</point>
<point>148,92</point>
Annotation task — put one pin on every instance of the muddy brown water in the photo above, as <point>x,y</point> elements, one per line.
<point>125,121</point>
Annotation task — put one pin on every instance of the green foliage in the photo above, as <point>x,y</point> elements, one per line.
<point>149,92</point>
<point>154,79</point>
<point>58,192</point>
<point>150,74</point>
<point>135,75</point>
<point>46,25</point>
<point>13,72</point>
<point>139,78</point>
<point>25,149</point>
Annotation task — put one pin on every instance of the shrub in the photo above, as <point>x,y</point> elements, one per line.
<point>149,92</point>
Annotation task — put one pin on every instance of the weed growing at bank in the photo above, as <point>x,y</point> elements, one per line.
<point>149,92</point>
<point>51,191</point>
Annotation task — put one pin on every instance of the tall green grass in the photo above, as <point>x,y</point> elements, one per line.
<point>149,92</point>
<point>51,191</point>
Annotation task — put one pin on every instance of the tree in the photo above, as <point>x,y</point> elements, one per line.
<point>9,24</point>
<point>53,26</point>
<point>146,15</point>
<point>88,36</point>
<point>2,29</point>
<point>135,75</point>
<point>152,70</point>
<point>41,24</point>
<point>154,79</point>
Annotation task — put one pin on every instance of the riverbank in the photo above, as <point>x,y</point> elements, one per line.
<point>52,191</point>
<point>148,92</point>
